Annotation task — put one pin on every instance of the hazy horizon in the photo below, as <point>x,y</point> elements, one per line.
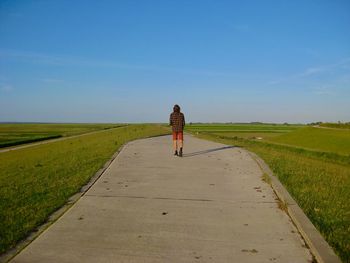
<point>187,123</point>
<point>130,62</point>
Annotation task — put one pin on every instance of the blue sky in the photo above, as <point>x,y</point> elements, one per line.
<point>130,61</point>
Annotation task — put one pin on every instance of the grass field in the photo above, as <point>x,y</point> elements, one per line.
<point>312,163</point>
<point>16,134</point>
<point>243,128</point>
<point>326,140</point>
<point>36,181</point>
<point>247,131</point>
<point>336,125</point>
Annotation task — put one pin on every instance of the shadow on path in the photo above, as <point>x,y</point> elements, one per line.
<point>207,151</point>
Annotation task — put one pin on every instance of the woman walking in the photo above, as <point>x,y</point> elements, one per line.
<point>177,121</point>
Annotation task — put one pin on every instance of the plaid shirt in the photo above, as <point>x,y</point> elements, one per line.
<point>177,121</point>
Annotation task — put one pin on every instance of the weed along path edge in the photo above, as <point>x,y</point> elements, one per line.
<point>149,206</point>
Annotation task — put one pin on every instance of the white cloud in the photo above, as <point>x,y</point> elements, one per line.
<point>6,88</point>
<point>342,64</point>
<point>241,27</point>
<point>84,62</point>
<point>51,80</point>
<point>324,91</point>
<point>15,15</point>
<point>311,52</point>
<point>311,71</point>
<point>276,81</point>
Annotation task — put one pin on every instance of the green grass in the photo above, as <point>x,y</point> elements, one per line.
<point>250,135</point>
<point>20,133</point>
<point>318,181</point>
<point>36,181</point>
<point>327,140</point>
<point>246,131</point>
<point>336,125</point>
<point>275,128</point>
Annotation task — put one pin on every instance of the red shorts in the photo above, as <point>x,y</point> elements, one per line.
<point>178,136</point>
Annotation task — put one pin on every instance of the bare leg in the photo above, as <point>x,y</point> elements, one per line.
<point>181,143</point>
<point>175,145</point>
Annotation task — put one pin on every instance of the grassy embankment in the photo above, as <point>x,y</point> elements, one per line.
<point>323,140</point>
<point>314,165</point>
<point>36,181</point>
<point>20,133</point>
<point>336,125</point>
<point>248,131</point>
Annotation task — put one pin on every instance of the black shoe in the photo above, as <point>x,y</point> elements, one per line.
<point>180,152</point>
<point>175,153</point>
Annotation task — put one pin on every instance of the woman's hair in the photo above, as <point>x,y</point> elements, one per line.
<point>176,108</point>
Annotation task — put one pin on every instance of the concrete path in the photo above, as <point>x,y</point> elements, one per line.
<point>149,206</point>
